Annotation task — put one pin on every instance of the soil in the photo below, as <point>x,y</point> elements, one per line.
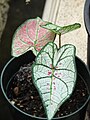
<point>23,94</point>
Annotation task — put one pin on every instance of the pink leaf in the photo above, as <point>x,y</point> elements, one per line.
<point>31,36</point>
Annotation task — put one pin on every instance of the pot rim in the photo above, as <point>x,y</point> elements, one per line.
<point>41,118</point>
<point>87,15</point>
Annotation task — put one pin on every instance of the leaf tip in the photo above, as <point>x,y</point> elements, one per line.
<point>78,25</point>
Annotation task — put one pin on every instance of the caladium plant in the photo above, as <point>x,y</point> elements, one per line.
<point>54,70</point>
<point>54,75</point>
<point>30,36</point>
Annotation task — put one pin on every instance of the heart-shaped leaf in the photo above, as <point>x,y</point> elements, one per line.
<point>54,75</point>
<point>61,30</point>
<point>30,36</point>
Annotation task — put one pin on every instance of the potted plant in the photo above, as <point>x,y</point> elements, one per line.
<point>61,78</point>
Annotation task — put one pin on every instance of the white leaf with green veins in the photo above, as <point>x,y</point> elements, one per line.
<point>59,29</point>
<point>54,75</point>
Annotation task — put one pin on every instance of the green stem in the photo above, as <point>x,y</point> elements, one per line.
<point>59,41</point>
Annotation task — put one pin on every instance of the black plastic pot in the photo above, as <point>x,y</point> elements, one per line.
<point>13,65</point>
<point>87,25</point>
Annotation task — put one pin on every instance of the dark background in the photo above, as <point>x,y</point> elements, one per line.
<point>18,13</point>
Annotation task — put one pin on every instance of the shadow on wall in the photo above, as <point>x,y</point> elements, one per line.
<point>18,13</point>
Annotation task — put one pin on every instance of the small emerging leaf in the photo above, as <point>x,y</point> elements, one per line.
<point>54,75</point>
<point>61,30</point>
<point>30,36</point>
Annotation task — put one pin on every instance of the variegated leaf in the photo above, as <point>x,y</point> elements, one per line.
<point>30,36</point>
<point>61,30</point>
<point>54,75</point>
